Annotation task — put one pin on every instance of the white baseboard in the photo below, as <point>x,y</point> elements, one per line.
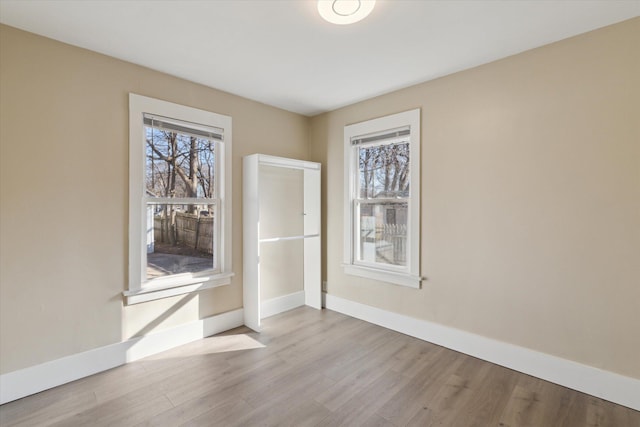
<point>281,304</point>
<point>34,379</point>
<point>587,379</point>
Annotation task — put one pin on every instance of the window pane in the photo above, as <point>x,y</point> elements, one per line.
<point>180,239</point>
<point>384,171</point>
<point>382,234</point>
<point>179,165</point>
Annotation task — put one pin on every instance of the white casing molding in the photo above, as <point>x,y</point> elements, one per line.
<point>278,305</point>
<point>408,275</point>
<point>24,382</point>
<point>587,379</point>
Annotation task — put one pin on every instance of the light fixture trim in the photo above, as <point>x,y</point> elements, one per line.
<point>343,12</point>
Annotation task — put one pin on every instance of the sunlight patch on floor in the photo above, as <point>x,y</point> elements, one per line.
<point>226,343</point>
<point>211,345</point>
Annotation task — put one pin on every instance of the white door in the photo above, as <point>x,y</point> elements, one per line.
<point>312,255</point>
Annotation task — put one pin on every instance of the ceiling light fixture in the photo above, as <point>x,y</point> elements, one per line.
<point>343,12</point>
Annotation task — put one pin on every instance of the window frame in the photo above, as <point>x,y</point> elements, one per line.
<point>408,275</point>
<point>139,289</point>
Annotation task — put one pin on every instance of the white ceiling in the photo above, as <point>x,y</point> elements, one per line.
<point>281,53</point>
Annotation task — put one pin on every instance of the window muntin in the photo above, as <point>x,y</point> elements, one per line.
<point>382,198</point>
<point>179,198</point>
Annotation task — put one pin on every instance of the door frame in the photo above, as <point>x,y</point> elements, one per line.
<point>251,233</point>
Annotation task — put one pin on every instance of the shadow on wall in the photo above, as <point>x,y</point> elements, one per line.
<point>165,315</point>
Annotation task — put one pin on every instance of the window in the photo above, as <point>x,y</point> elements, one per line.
<point>382,199</point>
<point>179,199</point>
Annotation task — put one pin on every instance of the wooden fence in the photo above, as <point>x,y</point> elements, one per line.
<point>186,229</point>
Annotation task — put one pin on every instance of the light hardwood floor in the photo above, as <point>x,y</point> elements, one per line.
<point>313,368</point>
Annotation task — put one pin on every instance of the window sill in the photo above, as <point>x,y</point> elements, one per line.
<point>401,279</point>
<point>197,284</point>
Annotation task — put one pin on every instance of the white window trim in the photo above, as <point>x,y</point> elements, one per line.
<point>180,283</point>
<point>409,276</point>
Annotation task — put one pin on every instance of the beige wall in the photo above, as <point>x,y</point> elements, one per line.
<point>281,215</point>
<point>530,211</point>
<point>63,196</point>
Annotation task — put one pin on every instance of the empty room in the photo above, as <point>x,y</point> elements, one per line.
<point>320,213</point>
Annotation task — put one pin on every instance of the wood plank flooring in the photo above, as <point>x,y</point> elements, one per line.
<point>313,368</point>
